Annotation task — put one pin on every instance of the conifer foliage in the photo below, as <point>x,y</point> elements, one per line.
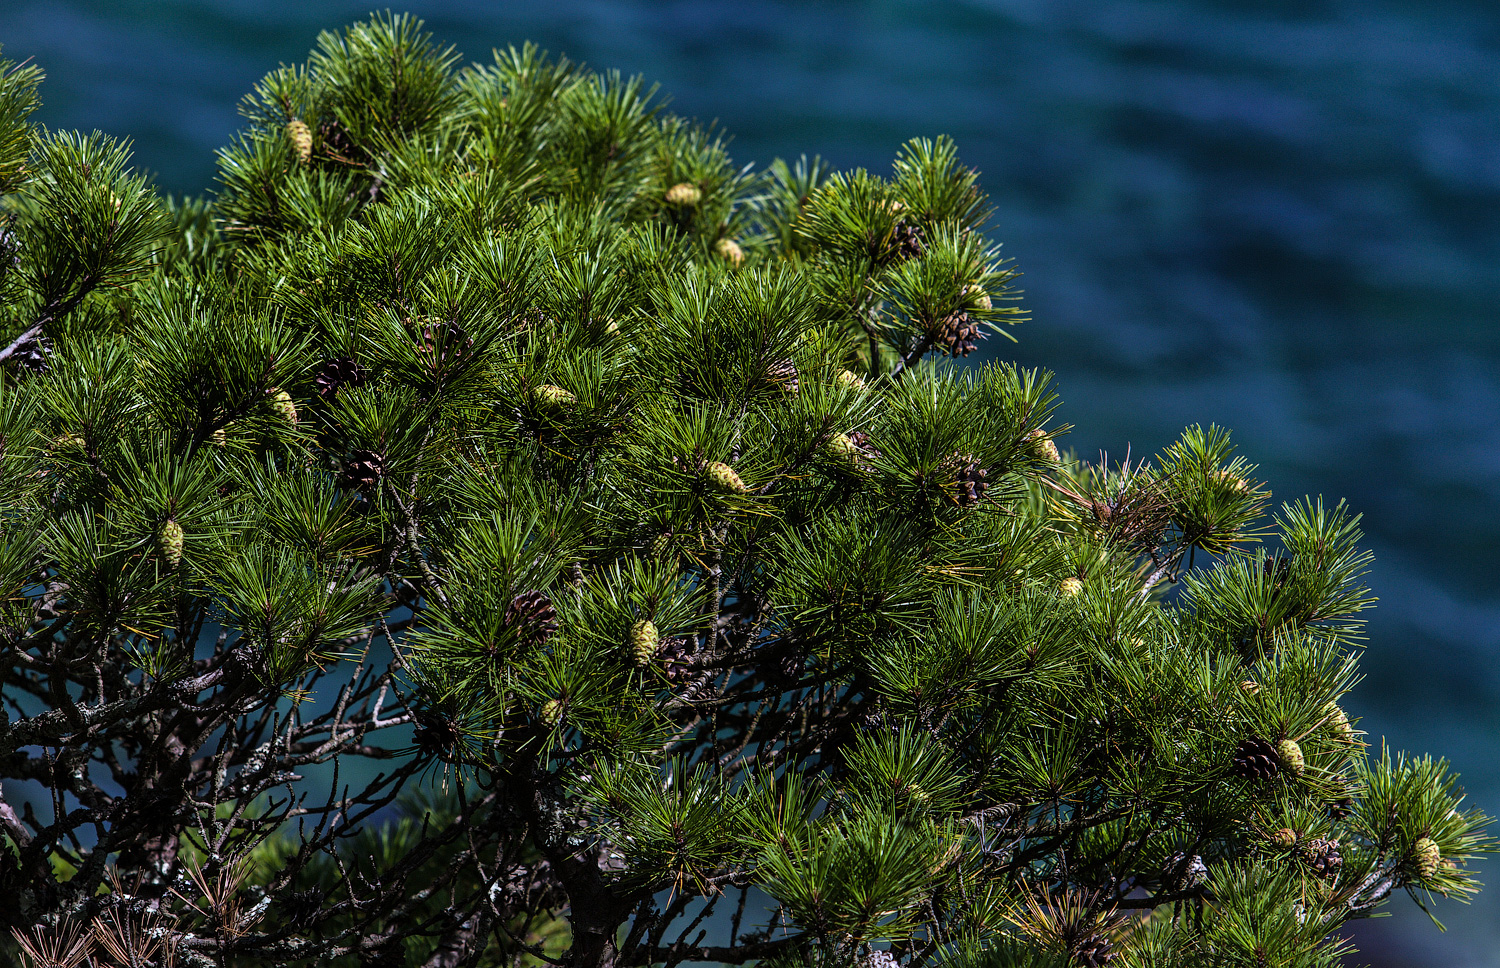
<point>495,529</point>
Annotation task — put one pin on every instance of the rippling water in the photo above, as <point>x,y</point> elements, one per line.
<point>1278,215</point>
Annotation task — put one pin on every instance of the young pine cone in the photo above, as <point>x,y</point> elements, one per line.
<point>958,334</point>
<point>1255,759</point>
<point>1322,855</point>
<point>644,640</point>
<point>169,542</point>
<point>684,193</point>
<point>841,449</point>
<point>723,478</point>
<point>336,374</point>
<point>283,406</point>
<point>362,471</point>
<point>300,135</point>
<point>1041,446</point>
<point>531,614</point>
<point>1290,755</point>
<point>729,250</point>
<point>1426,858</point>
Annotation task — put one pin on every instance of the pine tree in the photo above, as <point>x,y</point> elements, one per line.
<point>495,528</point>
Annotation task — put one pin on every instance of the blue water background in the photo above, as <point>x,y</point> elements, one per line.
<point>1282,216</point>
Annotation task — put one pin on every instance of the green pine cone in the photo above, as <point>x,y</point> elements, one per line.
<point>1290,755</point>
<point>555,397</point>
<point>298,133</point>
<point>69,443</point>
<point>552,712</point>
<point>643,641</point>
<point>685,194</point>
<point>1070,588</point>
<point>169,542</point>
<point>1338,722</point>
<point>729,250</point>
<point>1042,446</point>
<point>841,449</point>
<point>1428,857</point>
<point>283,406</point>
<point>725,479</point>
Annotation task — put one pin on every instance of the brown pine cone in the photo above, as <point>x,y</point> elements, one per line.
<point>969,482</point>
<point>861,440</point>
<point>1322,855</point>
<point>783,374</point>
<point>532,616</point>
<point>363,470</point>
<point>1094,952</point>
<point>908,241</point>
<point>437,735</point>
<point>1255,759</point>
<point>676,655</point>
<point>959,334</point>
<point>336,374</point>
<point>442,341</point>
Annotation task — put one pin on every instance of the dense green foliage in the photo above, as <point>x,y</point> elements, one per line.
<point>625,509</point>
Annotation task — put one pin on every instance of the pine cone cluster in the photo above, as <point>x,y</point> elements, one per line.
<point>968,480</point>
<point>958,334</point>
<point>908,241</point>
<point>336,374</point>
<point>533,617</point>
<point>1322,856</point>
<point>1255,759</point>
<point>362,471</point>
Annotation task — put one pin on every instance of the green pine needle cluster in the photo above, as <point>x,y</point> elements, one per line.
<point>493,529</point>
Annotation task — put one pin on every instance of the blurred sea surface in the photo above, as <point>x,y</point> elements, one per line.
<point>1282,216</point>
